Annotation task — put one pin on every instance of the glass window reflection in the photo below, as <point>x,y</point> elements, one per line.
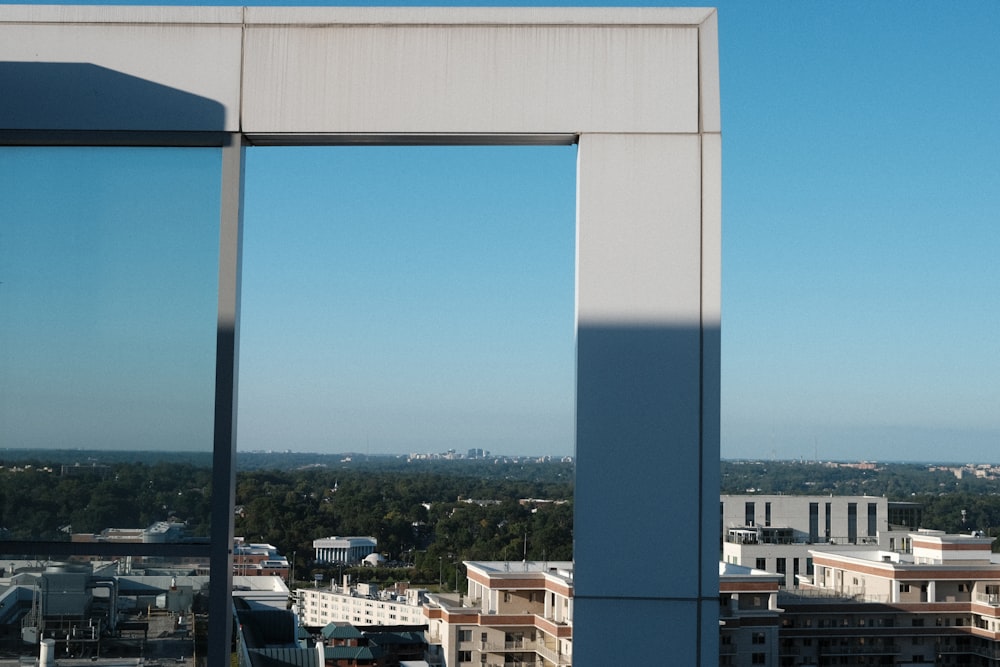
<point>108,274</point>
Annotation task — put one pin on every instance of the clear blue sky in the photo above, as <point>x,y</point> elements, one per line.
<point>861,202</point>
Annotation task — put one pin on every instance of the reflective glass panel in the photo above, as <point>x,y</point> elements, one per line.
<point>108,294</point>
<point>146,606</point>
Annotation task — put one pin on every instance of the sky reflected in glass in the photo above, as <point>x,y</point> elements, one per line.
<point>108,274</point>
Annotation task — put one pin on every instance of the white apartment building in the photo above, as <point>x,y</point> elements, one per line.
<point>362,605</point>
<point>775,532</point>
<point>938,604</point>
<point>941,568</point>
<point>522,613</point>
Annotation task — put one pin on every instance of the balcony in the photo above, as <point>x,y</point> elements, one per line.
<point>992,599</point>
<point>528,646</point>
<point>967,648</point>
<point>865,649</point>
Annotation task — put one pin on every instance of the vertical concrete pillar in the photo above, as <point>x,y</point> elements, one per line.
<point>226,385</point>
<point>647,392</point>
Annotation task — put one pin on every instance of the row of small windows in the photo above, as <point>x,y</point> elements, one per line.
<point>876,622</point>
<point>781,565</point>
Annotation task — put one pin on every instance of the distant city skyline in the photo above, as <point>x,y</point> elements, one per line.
<point>403,300</point>
<point>860,185</point>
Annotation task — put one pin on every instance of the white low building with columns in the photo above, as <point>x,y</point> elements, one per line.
<point>347,550</point>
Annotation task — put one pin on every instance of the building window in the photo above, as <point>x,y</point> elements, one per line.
<point>465,656</point>
<point>758,638</point>
<point>761,564</point>
<point>758,659</point>
<point>852,523</point>
<point>814,522</point>
<point>872,519</point>
<point>779,565</point>
<point>748,511</point>
<point>465,635</point>
<point>767,514</point>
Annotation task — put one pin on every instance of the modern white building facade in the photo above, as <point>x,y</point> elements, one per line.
<point>776,532</point>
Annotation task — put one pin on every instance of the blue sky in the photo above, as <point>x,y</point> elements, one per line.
<point>408,299</point>
<point>861,190</point>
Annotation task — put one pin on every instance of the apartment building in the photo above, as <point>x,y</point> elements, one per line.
<point>748,616</point>
<point>515,613</point>
<point>938,604</point>
<point>518,612</point>
<point>776,532</point>
<point>363,604</point>
<point>522,613</point>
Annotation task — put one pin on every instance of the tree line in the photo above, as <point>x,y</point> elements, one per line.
<point>427,516</point>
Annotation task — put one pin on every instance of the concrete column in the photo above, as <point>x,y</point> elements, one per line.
<point>647,396</point>
<point>895,591</point>
<point>226,372</point>
<point>932,591</point>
